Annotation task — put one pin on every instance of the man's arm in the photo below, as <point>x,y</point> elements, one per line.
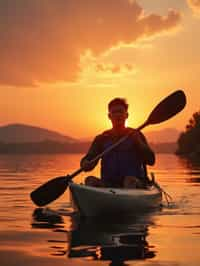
<point>93,151</point>
<point>144,150</point>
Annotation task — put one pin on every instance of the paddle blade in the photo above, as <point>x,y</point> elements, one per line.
<point>49,191</point>
<point>167,108</point>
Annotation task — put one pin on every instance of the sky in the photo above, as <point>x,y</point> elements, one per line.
<point>62,61</point>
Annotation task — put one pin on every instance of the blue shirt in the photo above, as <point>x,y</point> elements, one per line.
<point>123,160</point>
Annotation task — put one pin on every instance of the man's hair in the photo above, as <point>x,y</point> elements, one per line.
<point>117,101</point>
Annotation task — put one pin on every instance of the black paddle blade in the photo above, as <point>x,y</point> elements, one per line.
<point>49,191</point>
<point>167,108</point>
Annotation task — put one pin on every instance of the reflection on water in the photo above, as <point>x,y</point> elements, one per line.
<point>116,240</point>
<point>46,218</point>
<point>58,237</point>
<point>193,170</point>
<point>194,179</point>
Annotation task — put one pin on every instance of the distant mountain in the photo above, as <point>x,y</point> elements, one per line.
<point>166,135</point>
<point>162,136</point>
<point>20,133</point>
<point>19,138</point>
<point>168,147</point>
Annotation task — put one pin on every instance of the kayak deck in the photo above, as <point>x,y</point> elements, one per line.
<point>93,201</point>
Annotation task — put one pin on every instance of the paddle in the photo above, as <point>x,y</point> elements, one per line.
<point>54,188</point>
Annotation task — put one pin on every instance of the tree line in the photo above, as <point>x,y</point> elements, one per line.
<point>189,140</point>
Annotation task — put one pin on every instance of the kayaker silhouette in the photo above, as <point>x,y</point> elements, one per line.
<point>125,165</point>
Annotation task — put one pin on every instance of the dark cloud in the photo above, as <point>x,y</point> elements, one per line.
<point>41,41</point>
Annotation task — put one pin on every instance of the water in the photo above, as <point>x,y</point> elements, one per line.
<point>56,236</point>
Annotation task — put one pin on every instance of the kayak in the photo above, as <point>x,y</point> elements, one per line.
<point>94,201</point>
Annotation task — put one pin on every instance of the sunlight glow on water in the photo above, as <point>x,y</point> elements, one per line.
<point>55,236</point>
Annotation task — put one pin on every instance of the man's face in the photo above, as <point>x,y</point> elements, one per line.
<point>118,115</point>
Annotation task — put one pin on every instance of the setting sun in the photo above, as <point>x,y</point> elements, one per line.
<point>65,81</point>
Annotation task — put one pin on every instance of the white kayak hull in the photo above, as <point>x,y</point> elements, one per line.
<point>93,201</point>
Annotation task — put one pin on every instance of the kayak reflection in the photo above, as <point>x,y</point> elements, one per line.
<point>116,242</point>
<point>116,239</point>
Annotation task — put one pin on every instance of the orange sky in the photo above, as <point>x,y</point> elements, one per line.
<point>62,61</point>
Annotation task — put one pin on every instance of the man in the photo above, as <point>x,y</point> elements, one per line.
<point>125,165</point>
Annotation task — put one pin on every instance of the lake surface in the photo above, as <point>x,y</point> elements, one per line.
<point>56,236</point>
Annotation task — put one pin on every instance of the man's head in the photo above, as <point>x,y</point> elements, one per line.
<point>118,112</point>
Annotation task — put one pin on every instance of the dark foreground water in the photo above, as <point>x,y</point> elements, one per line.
<point>56,236</point>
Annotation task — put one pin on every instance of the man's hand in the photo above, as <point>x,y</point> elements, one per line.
<point>87,165</point>
<point>136,136</point>
<point>144,149</point>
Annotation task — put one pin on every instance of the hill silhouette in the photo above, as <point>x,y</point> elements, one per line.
<point>20,133</point>
<point>20,138</point>
<point>166,135</point>
<point>162,136</point>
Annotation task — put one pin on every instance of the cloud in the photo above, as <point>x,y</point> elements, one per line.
<point>113,68</point>
<point>195,5</point>
<point>42,41</point>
